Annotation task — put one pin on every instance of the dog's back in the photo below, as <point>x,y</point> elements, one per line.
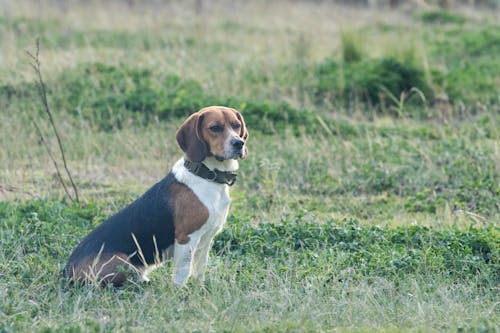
<point>139,234</point>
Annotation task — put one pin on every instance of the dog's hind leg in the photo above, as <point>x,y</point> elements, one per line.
<point>114,270</point>
<point>104,269</point>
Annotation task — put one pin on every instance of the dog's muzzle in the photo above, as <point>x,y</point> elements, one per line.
<point>236,150</point>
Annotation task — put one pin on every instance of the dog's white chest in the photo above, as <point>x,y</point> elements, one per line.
<point>191,258</point>
<point>214,196</point>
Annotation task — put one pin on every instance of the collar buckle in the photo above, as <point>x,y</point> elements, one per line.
<point>211,175</point>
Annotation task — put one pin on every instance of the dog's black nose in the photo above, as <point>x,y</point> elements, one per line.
<point>238,143</point>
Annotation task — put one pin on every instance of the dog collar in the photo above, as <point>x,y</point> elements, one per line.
<point>201,170</point>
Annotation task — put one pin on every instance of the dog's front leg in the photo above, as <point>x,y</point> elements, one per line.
<point>183,258</point>
<point>200,260</point>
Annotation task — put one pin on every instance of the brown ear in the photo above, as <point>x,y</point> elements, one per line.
<point>243,130</point>
<point>189,138</point>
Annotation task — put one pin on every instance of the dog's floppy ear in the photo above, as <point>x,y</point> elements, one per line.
<point>243,130</point>
<point>189,138</point>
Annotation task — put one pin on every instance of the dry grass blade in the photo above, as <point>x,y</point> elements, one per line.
<point>56,166</point>
<point>43,96</point>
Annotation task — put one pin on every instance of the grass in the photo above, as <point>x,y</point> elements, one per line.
<point>359,208</point>
<point>292,275</point>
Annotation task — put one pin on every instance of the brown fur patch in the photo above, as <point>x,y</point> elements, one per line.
<point>189,213</point>
<point>188,138</point>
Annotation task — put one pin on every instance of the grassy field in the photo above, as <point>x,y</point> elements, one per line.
<point>370,200</point>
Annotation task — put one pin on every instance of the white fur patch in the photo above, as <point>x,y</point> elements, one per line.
<point>190,259</point>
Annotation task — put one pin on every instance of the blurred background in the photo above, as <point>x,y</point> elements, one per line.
<point>374,98</point>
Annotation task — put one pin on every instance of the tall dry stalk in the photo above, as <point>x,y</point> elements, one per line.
<point>43,96</point>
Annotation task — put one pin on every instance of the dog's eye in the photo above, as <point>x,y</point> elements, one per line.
<point>236,126</point>
<point>216,128</point>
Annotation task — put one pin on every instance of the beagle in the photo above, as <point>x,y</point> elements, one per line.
<point>179,216</point>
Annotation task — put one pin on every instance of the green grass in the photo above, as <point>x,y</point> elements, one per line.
<point>298,274</point>
<point>364,204</point>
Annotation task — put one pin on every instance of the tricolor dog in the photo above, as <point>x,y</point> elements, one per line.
<point>179,216</point>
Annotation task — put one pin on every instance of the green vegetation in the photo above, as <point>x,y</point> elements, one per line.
<point>109,96</point>
<point>375,82</point>
<point>471,65</point>
<point>369,201</point>
<point>299,274</point>
<point>441,16</point>
<point>371,251</point>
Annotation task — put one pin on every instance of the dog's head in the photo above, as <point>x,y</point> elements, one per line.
<point>213,131</point>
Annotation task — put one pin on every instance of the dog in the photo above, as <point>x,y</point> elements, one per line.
<point>178,217</point>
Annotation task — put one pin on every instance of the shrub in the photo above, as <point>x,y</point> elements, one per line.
<point>367,79</point>
<point>440,16</point>
<point>374,81</point>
